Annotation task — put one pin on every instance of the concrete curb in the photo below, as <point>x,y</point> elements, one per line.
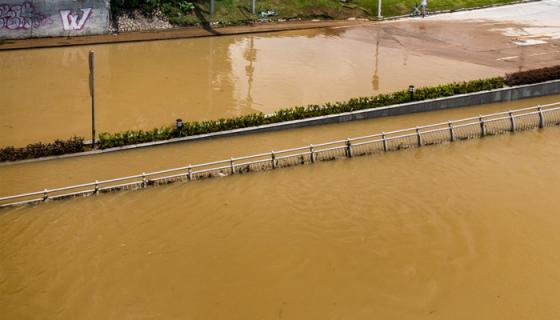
<point>463,100</point>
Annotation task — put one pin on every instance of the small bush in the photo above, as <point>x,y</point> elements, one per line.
<point>533,76</point>
<point>38,150</point>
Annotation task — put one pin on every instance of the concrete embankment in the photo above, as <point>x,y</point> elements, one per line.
<point>471,99</point>
<point>548,88</point>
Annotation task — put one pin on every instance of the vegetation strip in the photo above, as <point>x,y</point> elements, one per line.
<point>195,128</point>
<point>235,12</point>
<point>474,127</point>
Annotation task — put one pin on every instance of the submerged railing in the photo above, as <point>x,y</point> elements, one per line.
<point>474,127</point>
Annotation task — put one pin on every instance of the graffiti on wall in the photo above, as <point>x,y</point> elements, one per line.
<point>75,21</point>
<point>24,17</point>
<point>21,17</point>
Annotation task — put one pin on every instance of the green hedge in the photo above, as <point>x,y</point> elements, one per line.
<point>110,140</point>
<point>38,150</point>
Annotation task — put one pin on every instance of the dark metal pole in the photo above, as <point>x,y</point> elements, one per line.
<point>92,93</point>
<point>212,8</point>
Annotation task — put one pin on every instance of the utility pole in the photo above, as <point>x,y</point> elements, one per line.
<point>212,8</point>
<point>379,9</point>
<point>92,93</point>
<point>253,7</point>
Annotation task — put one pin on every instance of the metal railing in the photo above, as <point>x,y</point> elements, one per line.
<point>474,127</point>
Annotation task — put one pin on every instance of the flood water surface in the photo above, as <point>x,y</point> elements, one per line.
<point>465,230</point>
<point>460,231</point>
<point>35,176</point>
<point>144,85</point>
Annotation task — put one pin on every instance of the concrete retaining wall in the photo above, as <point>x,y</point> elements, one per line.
<point>464,100</point>
<point>470,99</point>
<point>21,19</point>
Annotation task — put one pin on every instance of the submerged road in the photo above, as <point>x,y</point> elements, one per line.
<point>459,231</point>
<point>150,84</point>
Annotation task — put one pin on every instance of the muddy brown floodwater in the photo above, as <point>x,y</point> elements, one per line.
<point>459,231</point>
<point>44,92</point>
<point>27,177</point>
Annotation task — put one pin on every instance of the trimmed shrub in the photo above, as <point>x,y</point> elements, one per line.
<point>533,76</point>
<point>38,150</point>
<point>110,140</point>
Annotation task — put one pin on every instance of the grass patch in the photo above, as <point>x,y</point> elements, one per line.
<point>182,12</point>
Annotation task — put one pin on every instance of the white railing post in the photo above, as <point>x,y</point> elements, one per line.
<point>418,137</point>
<point>96,190</point>
<point>482,126</point>
<point>144,180</point>
<point>45,195</point>
<point>541,117</point>
<point>189,172</point>
<point>349,150</point>
<point>451,131</point>
<point>385,147</point>
<point>273,159</point>
<point>232,165</point>
<point>312,153</point>
<point>512,121</point>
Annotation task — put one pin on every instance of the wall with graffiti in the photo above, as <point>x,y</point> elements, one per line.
<point>20,19</point>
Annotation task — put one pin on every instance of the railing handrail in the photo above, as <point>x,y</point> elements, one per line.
<point>286,153</point>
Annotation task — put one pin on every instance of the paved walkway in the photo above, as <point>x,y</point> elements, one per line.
<point>535,22</point>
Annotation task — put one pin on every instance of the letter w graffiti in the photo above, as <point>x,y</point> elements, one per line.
<point>73,21</point>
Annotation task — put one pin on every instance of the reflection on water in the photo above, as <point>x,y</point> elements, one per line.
<point>375,77</point>
<point>250,55</point>
<point>460,231</point>
<point>150,84</point>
